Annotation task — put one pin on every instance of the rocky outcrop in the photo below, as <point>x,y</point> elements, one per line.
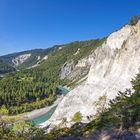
<point>75,72</point>
<point>20,59</point>
<point>113,66</point>
<point>45,57</point>
<point>66,70</point>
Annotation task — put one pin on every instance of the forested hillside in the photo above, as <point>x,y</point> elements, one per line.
<point>119,121</point>
<point>34,88</point>
<point>134,20</point>
<point>36,56</point>
<point>5,68</point>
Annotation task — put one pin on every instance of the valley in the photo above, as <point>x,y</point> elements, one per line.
<point>79,90</point>
<point>33,88</point>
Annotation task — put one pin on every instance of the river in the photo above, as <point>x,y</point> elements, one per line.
<point>44,117</point>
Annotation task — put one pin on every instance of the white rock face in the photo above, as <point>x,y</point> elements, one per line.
<point>71,71</point>
<point>20,59</point>
<point>85,62</point>
<point>59,48</point>
<point>45,57</point>
<point>115,63</point>
<point>121,35</point>
<point>66,69</point>
<point>38,58</point>
<point>77,51</point>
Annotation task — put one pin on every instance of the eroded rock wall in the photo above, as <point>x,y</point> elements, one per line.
<point>113,66</point>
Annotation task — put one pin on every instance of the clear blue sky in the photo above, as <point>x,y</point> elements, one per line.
<point>29,24</point>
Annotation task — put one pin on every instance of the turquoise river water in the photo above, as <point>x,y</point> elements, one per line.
<point>46,116</point>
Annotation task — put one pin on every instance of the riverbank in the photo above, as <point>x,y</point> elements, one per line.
<point>39,112</point>
<point>38,116</point>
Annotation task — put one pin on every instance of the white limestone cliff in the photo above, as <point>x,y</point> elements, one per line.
<point>115,63</point>
<point>20,59</point>
<point>77,71</point>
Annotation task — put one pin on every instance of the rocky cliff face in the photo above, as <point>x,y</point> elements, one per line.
<point>75,72</point>
<point>113,66</point>
<point>20,59</point>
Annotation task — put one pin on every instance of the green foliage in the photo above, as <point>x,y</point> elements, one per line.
<point>20,131</point>
<point>20,93</point>
<point>123,113</point>
<point>35,88</point>
<point>77,117</point>
<point>66,53</point>
<point>100,104</point>
<point>29,62</point>
<point>5,68</point>
<point>4,111</point>
<point>11,119</point>
<point>134,20</point>
<point>124,110</point>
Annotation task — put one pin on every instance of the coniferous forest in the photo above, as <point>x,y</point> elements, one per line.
<point>123,114</point>
<point>92,71</point>
<point>34,88</point>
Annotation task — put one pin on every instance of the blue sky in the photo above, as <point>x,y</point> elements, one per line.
<point>29,24</point>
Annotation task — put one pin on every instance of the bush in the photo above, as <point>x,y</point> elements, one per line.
<point>134,20</point>
<point>77,117</point>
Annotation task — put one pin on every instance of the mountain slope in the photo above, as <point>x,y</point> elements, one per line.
<point>34,88</point>
<point>5,68</point>
<point>32,58</point>
<point>26,59</point>
<point>115,63</point>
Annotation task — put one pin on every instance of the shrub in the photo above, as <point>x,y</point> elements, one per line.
<point>77,117</point>
<point>134,20</point>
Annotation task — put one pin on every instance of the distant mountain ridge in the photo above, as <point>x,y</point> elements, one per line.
<point>31,58</point>
<point>25,59</point>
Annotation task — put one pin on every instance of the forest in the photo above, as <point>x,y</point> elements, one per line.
<point>34,88</point>
<point>123,114</point>
<point>5,68</point>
